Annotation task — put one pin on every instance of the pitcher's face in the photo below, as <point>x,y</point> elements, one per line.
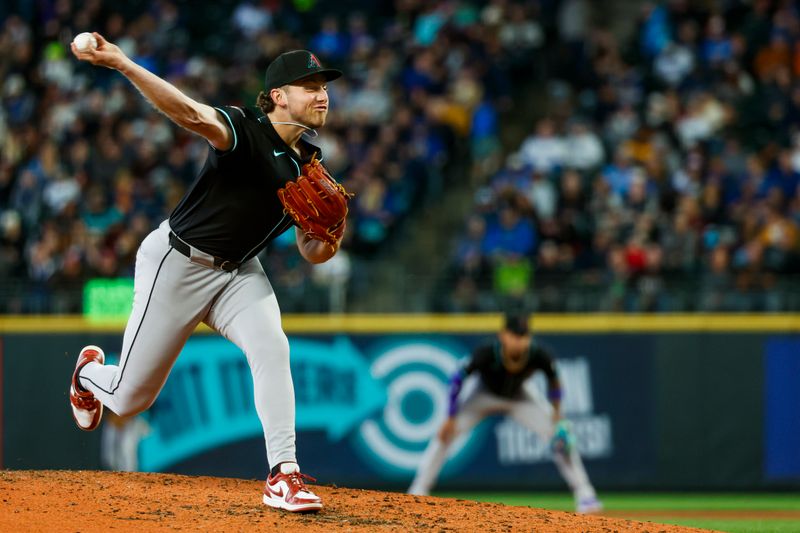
<point>307,100</point>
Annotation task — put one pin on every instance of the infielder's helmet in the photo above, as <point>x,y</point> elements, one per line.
<point>517,323</point>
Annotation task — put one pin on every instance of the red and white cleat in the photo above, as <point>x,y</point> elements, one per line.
<point>288,491</point>
<point>86,409</point>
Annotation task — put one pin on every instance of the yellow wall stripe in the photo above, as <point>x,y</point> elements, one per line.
<point>440,323</point>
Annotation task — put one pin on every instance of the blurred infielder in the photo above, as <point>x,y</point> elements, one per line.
<point>260,178</point>
<point>496,373</point>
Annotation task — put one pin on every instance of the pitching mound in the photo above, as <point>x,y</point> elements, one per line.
<point>103,501</point>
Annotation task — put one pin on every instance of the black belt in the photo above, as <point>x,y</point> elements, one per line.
<point>185,249</point>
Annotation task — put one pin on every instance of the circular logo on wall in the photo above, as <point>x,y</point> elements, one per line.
<point>416,377</point>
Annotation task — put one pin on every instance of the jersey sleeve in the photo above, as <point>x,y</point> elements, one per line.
<point>236,119</point>
<point>457,379</point>
<point>543,360</point>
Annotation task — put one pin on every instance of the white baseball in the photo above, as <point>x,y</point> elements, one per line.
<point>85,41</point>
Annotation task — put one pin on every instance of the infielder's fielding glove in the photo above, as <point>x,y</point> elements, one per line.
<point>563,439</point>
<point>316,202</point>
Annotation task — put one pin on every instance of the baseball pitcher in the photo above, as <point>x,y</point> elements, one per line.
<point>260,178</point>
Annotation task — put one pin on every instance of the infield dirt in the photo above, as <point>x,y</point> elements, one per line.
<point>89,501</point>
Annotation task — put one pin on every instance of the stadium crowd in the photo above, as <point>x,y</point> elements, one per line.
<point>664,174</point>
<point>661,175</point>
<point>88,168</point>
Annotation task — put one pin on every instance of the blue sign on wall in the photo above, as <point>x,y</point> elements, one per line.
<point>782,405</point>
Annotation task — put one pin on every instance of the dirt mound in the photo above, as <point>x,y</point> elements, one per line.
<point>102,501</point>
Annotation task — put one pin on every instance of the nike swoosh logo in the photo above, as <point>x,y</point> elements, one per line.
<point>279,494</point>
<point>277,153</point>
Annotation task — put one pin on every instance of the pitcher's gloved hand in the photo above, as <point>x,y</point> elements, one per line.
<point>317,203</point>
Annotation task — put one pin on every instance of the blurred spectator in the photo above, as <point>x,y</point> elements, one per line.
<point>619,173</point>
<point>333,277</point>
<point>544,150</point>
<point>509,235</point>
<point>540,194</point>
<point>718,283</point>
<point>583,149</point>
<point>674,63</point>
<point>12,241</point>
<point>251,18</point>
<point>330,42</point>
<point>717,47</point>
<point>550,273</point>
<point>780,239</point>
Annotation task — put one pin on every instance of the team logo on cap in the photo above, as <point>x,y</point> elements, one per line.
<point>313,62</point>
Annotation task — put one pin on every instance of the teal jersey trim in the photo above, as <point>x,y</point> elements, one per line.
<point>235,138</point>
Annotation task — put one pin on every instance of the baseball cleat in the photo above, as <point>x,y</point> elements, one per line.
<point>288,491</point>
<point>86,409</point>
<point>589,506</point>
<point>417,491</point>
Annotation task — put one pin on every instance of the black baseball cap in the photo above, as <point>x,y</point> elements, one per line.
<point>516,323</point>
<point>292,66</point>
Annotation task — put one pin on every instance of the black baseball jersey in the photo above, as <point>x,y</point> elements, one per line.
<point>487,360</point>
<point>232,209</point>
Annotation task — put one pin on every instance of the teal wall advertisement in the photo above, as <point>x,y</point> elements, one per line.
<point>375,401</point>
<point>367,405</point>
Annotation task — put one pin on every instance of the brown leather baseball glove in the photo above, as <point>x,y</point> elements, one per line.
<point>316,202</point>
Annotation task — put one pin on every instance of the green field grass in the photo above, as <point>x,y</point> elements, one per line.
<point>707,511</point>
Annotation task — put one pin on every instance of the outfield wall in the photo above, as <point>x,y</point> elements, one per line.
<point>661,402</point>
